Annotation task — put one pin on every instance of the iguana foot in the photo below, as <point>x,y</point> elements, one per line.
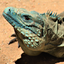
<point>13,40</point>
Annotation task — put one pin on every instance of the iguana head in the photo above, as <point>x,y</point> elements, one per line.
<point>28,24</point>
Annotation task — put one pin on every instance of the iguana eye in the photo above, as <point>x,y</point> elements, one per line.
<point>27,18</point>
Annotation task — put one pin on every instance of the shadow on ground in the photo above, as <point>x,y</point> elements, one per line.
<point>43,58</point>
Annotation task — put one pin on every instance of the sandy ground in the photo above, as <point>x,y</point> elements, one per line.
<point>10,53</point>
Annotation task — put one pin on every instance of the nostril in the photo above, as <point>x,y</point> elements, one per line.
<point>9,10</point>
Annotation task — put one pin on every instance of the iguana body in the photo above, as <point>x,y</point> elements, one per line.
<point>37,32</point>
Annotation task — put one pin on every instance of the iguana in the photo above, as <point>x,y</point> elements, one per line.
<point>37,32</point>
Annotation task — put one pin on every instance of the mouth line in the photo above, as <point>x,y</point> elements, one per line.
<point>11,17</point>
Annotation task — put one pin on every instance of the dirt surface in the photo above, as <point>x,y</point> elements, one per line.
<point>11,53</point>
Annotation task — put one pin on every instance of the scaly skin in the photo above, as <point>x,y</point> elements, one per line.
<point>37,32</point>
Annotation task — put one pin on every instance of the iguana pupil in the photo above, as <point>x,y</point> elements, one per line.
<point>26,17</point>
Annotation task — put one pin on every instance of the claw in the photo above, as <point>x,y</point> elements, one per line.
<point>12,41</point>
<point>18,45</point>
<point>13,35</point>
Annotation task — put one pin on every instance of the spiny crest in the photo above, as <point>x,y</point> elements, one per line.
<point>54,16</point>
<point>51,13</point>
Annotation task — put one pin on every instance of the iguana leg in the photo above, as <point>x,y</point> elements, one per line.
<point>58,52</point>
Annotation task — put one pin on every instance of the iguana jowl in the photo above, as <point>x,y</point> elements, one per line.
<point>37,32</point>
